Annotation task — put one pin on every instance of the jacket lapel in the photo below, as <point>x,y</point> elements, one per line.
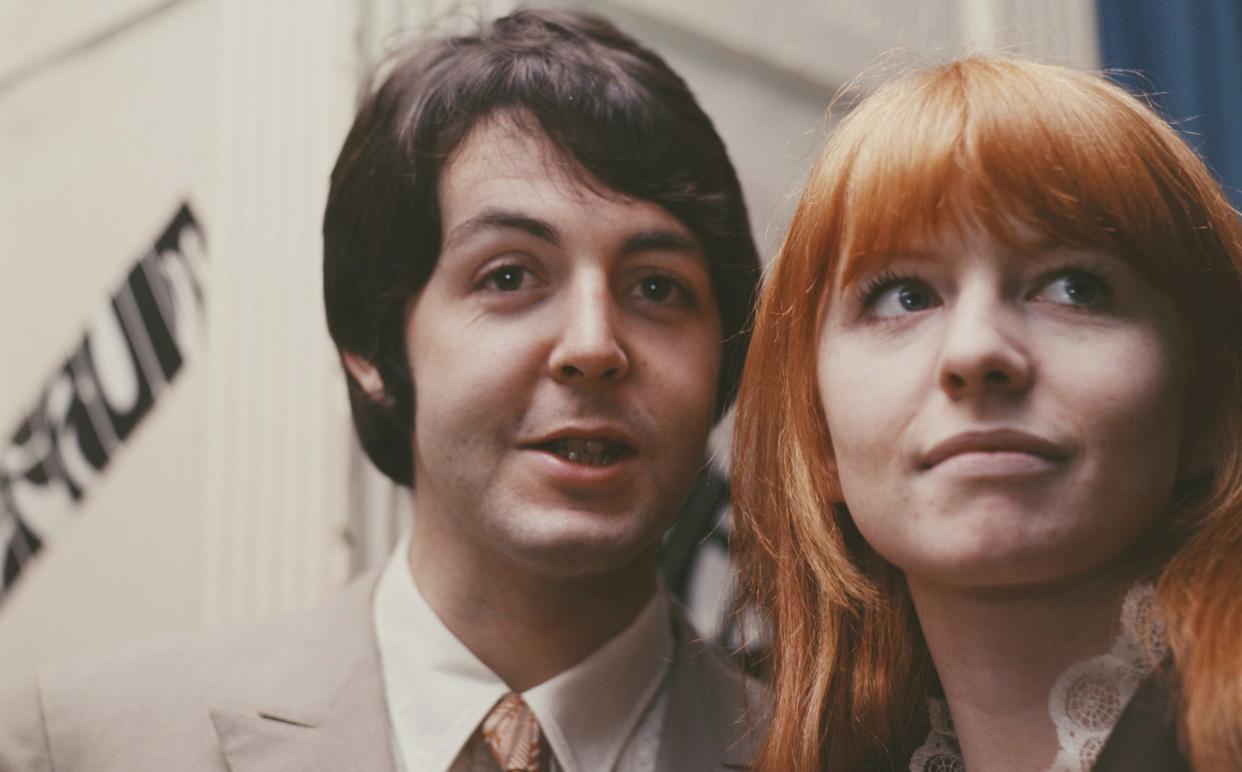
<point>710,722</point>
<point>315,699</point>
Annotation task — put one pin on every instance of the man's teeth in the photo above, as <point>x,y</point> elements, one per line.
<point>584,451</point>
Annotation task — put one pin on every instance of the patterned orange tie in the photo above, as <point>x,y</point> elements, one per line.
<point>511,732</point>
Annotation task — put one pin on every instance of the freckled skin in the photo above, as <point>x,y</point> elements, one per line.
<point>972,336</point>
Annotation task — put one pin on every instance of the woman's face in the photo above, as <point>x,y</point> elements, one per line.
<point>1002,418</point>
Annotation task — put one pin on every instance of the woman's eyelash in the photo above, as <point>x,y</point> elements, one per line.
<point>1098,278</point>
<point>872,287</point>
<point>1071,268</point>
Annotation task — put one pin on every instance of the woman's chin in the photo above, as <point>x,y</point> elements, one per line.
<point>1005,569</point>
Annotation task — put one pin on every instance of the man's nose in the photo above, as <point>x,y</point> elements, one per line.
<point>588,347</point>
<point>985,349</point>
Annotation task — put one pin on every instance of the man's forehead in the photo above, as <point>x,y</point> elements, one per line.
<point>507,164</point>
<point>511,147</point>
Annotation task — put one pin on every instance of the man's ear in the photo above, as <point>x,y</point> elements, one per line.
<point>367,376</point>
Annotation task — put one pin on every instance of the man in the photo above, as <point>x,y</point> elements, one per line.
<point>537,270</point>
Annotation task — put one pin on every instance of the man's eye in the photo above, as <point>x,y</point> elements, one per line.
<point>509,278</point>
<point>1075,288</point>
<point>663,290</point>
<point>896,297</point>
<point>657,289</point>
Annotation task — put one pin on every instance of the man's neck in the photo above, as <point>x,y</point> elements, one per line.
<point>998,656</point>
<point>528,626</point>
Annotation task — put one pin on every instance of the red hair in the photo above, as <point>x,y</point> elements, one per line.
<point>987,141</point>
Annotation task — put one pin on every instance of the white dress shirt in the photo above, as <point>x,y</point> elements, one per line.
<point>602,714</point>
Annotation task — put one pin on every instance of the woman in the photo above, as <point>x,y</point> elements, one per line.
<point>988,451</point>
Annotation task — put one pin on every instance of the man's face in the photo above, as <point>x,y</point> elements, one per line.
<point>564,355</point>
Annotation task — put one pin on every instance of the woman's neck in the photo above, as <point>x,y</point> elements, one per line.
<point>998,654</point>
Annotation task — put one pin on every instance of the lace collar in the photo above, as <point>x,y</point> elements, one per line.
<point>1086,701</point>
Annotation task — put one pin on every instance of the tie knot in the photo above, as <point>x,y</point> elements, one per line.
<point>511,732</point>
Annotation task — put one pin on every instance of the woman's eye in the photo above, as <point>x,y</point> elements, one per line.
<point>1075,288</point>
<point>509,278</point>
<point>901,296</point>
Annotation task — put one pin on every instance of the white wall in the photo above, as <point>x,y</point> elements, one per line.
<point>228,500</point>
<point>766,72</point>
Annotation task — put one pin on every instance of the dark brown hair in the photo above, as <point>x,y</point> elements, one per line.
<point>614,109</point>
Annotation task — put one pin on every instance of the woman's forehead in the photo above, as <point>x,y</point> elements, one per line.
<point>1021,235</point>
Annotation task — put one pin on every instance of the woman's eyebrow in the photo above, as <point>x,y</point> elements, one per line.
<point>860,263</point>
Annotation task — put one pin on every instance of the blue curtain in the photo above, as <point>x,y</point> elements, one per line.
<point>1188,54</point>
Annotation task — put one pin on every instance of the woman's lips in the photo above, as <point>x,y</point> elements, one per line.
<point>999,463</point>
<point>994,453</point>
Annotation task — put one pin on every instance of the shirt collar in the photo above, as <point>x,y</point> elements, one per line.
<point>438,691</point>
<point>589,711</point>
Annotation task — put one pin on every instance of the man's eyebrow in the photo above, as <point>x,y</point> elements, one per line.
<point>503,219</point>
<point>659,241</point>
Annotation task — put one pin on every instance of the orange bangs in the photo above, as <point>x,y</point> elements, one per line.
<point>997,144</point>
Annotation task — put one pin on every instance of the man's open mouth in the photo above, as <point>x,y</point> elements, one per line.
<point>592,452</point>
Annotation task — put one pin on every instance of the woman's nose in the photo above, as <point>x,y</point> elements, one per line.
<point>984,350</point>
<point>588,347</point>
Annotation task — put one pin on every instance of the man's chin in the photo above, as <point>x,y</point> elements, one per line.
<point>581,546</point>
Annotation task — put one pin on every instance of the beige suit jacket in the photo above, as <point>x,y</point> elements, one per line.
<point>298,694</point>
